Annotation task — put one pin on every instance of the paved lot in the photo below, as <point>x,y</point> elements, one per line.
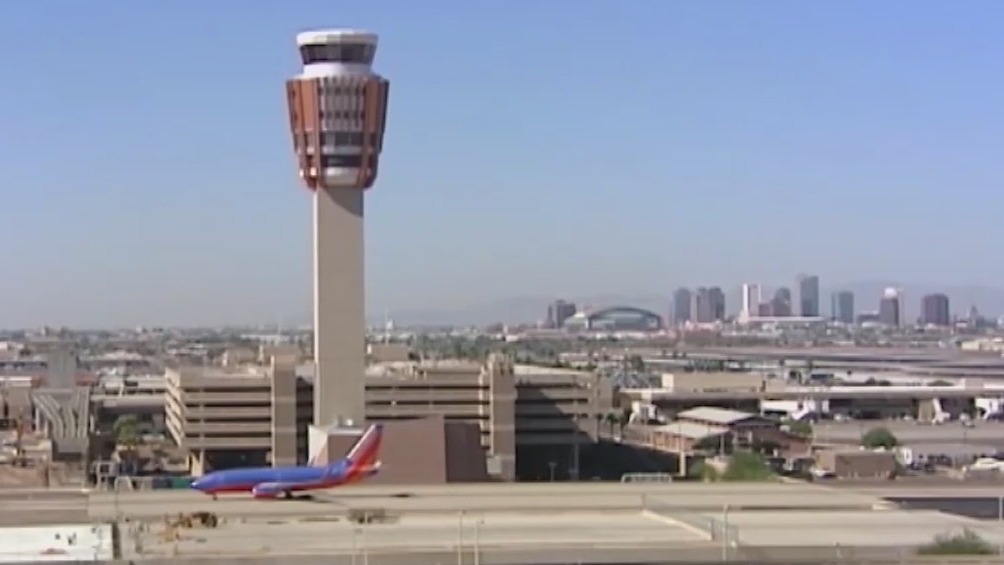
<point>78,542</point>
<point>878,528</point>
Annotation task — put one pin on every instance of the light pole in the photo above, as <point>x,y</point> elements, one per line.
<point>725,533</point>
<point>477,540</point>
<point>460,539</point>
<point>1000,520</point>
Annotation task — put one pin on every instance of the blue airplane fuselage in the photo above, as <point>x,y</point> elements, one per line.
<point>270,482</point>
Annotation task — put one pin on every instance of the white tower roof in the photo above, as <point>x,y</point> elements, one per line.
<point>327,36</point>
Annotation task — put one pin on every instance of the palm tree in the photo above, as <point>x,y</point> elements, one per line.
<point>611,419</point>
<point>127,438</point>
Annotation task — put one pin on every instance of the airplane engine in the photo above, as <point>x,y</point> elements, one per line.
<point>266,490</point>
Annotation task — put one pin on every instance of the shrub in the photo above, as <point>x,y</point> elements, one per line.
<point>966,542</point>
<point>746,466</point>
<point>879,437</point>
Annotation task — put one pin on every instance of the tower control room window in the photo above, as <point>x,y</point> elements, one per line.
<point>346,161</point>
<point>338,53</point>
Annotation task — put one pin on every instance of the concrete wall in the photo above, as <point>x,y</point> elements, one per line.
<point>858,464</point>
<point>284,430</point>
<point>654,554</point>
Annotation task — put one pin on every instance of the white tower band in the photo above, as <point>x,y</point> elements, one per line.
<point>337,113</point>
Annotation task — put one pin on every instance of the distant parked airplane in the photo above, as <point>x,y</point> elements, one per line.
<point>360,463</point>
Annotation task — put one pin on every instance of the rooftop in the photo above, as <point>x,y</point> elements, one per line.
<point>722,416</point>
<point>321,36</point>
<point>691,430</point>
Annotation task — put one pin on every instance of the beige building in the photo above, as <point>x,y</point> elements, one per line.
<point>684,382</point>
<point>234,416</point>
<point>255,414</point>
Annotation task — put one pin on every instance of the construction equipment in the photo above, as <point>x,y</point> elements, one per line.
<point>367,515</point>
<point>173,526</point>
<point>194,519</point>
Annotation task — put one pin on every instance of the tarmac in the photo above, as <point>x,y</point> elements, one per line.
<point>516,520</point>
<point>69,506</point>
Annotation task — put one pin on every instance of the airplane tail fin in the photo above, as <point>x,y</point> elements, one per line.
<point>366,451</point>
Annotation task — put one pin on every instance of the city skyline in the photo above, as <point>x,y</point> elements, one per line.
<point>537,309</point>
<point>500,176</point>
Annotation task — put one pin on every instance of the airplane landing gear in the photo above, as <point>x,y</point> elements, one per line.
<point>287,495</point>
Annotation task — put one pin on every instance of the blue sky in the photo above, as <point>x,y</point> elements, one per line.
<point>534,148</point>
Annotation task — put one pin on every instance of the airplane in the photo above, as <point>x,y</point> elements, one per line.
<point>361,462</point>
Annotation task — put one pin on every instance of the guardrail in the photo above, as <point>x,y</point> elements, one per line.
<point>646,478</point>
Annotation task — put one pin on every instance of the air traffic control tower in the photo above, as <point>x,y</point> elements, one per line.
<point>337,114</point>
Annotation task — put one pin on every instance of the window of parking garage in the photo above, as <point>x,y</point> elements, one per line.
<point>232,435</point>
<point>225,405</point>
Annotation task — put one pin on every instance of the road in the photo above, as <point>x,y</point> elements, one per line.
<point>983,433</point>
<point>37,507</point>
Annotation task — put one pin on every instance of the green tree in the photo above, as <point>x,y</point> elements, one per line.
<point>126,430</point>
<point>879,437</point>
<point>701,470</point>
<point>800,428</point>
<point>745,466</point>
<point>127,438</point>
<point>966,542</point>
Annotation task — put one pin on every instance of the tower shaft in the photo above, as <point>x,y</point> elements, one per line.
<point>339,307</point>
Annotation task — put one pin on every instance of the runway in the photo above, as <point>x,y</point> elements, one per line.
<point>524,498</point>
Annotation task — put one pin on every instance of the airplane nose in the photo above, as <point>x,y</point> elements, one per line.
<point>197,484</point>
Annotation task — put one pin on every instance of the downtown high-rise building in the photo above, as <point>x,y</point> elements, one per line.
<point>891,308</point>
<point>807,290</point>
<point>558,312</point>
<point>751,299</point>
<point>780,304</point>
<point>934,310</point>
<point>708,305</point>
<point>682,298</point>
<point>842,307</point>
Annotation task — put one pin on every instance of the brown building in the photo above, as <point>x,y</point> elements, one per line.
<point>857,464</point>
<point>229,417</point>
<point>711,429</point>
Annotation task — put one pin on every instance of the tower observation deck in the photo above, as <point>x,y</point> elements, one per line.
<point>337,116</point>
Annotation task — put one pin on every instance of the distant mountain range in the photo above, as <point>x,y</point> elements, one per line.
<point>529,309</point>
